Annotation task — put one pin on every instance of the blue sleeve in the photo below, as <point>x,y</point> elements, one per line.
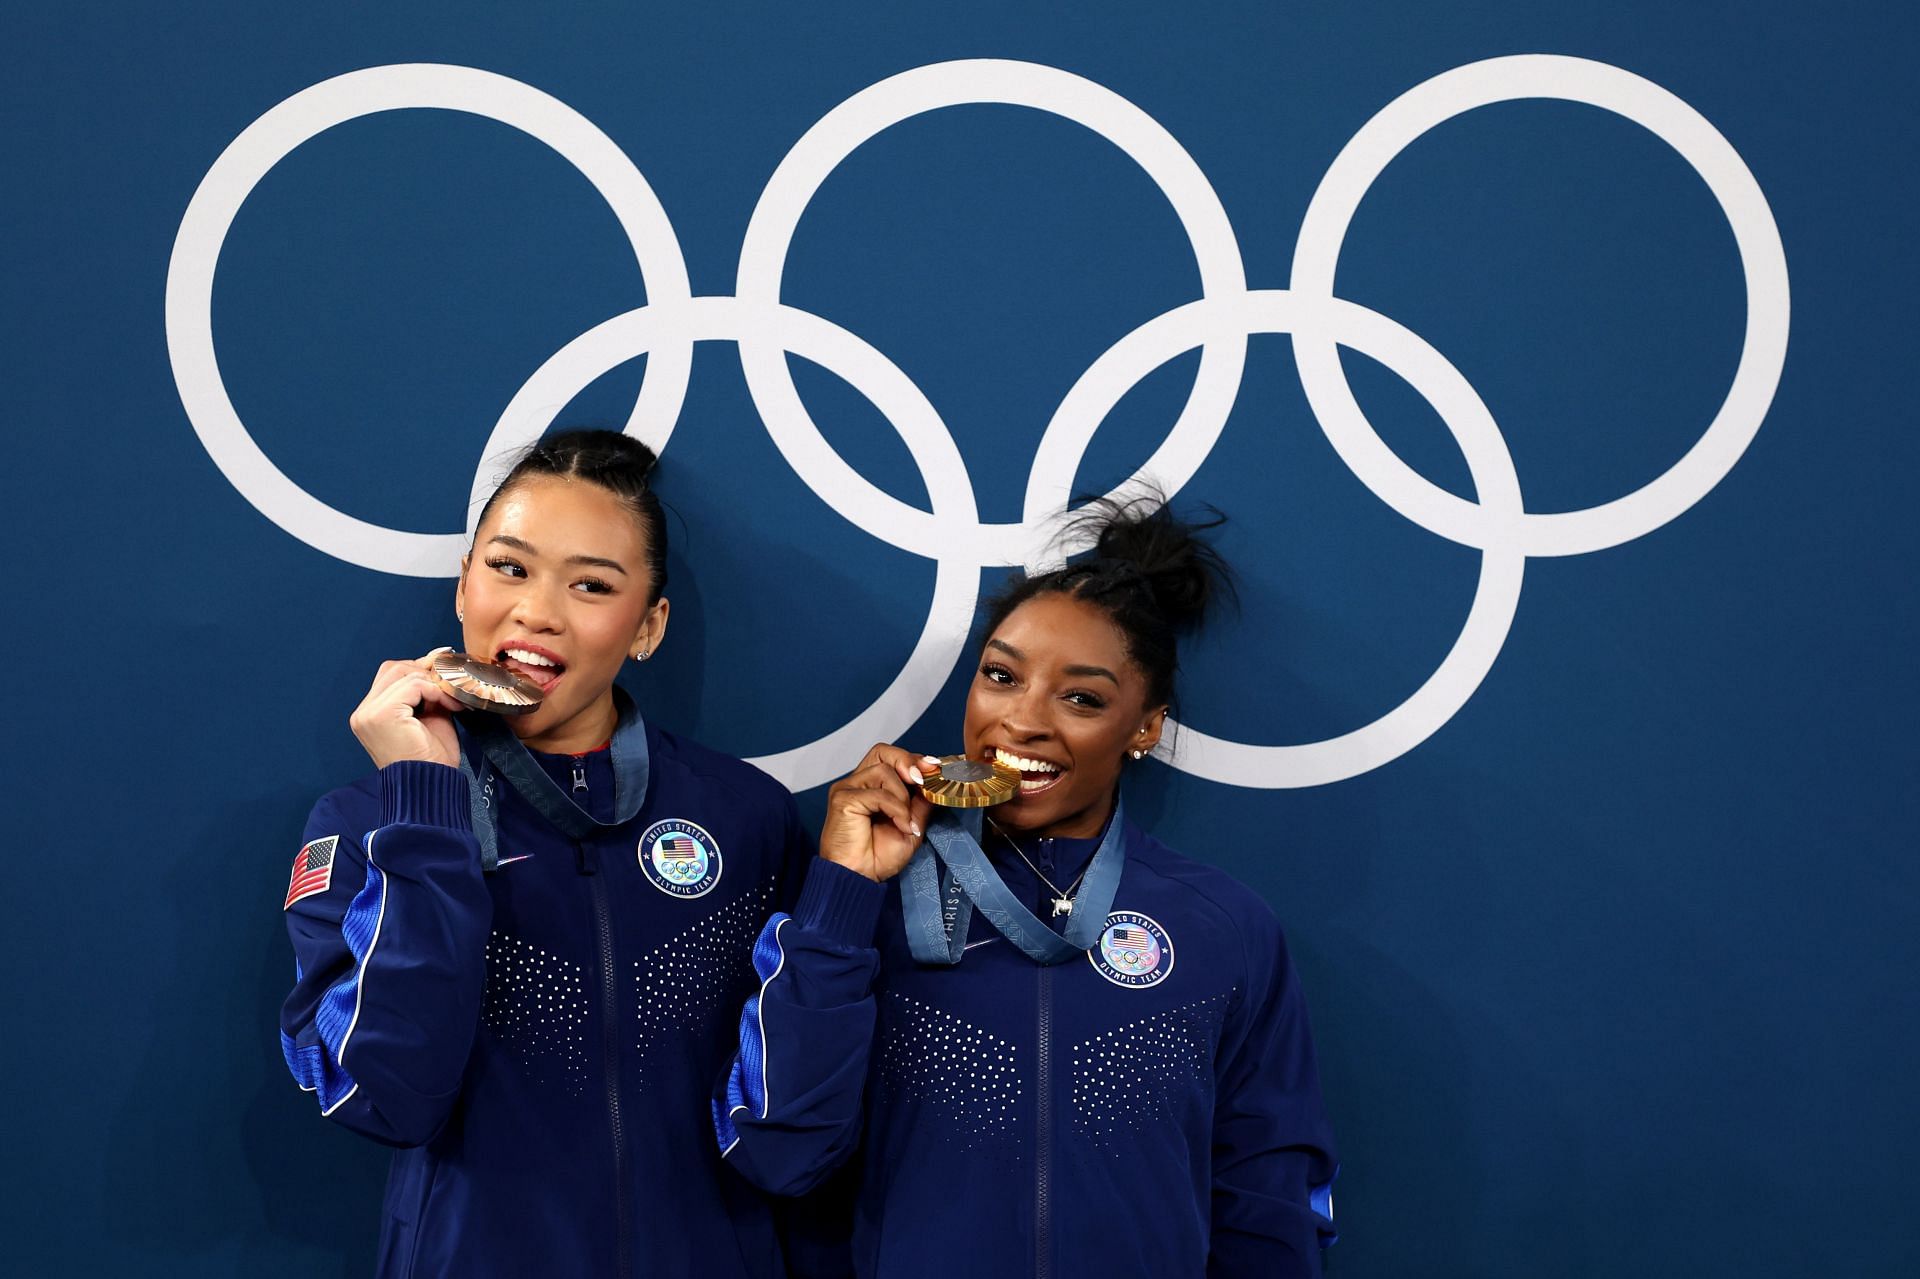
<point>1273,1153</point>
<point>389,931</point>
<point>796,855</point>
<point>789,1110</point>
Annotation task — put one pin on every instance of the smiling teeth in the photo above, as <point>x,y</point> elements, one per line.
<point>1024,764</point>
<point>531,659</point>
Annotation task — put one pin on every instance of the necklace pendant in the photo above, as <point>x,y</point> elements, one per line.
<point>1062,906</point>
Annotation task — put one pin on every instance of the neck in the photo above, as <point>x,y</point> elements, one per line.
<point>583,732</point>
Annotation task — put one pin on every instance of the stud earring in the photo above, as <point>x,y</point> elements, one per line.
<point>459,615</point>
<point>1139,754</point>
<point>643,655</point>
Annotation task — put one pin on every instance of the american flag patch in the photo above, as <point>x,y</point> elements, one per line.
<point>312,870</point>
<point>677,848</point>
<point>1134,940</point>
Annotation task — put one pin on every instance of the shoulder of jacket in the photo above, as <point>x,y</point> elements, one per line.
<point>703,764</point>
<point>1248,913</point>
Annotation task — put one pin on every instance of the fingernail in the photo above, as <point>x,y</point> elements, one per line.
<point>916,829</point>
<point>930,759</point>
<point>444,648</point>
<point>914,773</point>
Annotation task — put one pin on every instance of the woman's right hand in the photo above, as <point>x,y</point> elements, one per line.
<point>876,814</point>
<point>407,715</point>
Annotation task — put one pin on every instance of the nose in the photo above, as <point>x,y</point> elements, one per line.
<point>1024,717</point>
<point>536,607</point>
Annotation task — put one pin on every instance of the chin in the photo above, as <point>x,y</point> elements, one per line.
<point>1037,813</point>
<point>549,717</point>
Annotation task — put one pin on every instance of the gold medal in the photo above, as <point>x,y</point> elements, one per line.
<point>486,686</point>
<point>971,783</point>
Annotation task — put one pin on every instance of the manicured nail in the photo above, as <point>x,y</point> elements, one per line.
<point>914,773</point>
<point>916,829</point>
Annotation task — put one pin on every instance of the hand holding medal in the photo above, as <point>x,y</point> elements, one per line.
<point>877,814</point>
<point>408,714</point>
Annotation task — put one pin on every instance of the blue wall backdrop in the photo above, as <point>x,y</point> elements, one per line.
<point>1596,841</point>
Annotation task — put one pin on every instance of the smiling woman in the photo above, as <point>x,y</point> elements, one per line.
<point>560,589</point>
<point>1016,1007</point>
<point>512,939</point>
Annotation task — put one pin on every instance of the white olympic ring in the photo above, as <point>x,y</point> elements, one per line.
<point>1218,324</point>
<point>266,142</point>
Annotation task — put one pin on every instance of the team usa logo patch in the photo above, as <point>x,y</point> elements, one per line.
<point>680,858</point>
<point>312,870</point>
<point>1133,950</point>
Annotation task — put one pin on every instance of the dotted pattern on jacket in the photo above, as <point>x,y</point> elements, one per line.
<point>1134,1075</point>
<point>968,1076</point>
<point>536,1005</point>
<point>697,980</point>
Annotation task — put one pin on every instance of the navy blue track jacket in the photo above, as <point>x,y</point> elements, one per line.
<point>541,1041</point>
<point>1151,1109</point>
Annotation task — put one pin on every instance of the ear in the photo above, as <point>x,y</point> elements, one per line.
<point>1149,735</point>
<point>653,629</point>
<point>460,587</point>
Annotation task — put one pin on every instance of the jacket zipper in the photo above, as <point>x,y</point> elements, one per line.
<point>579,774</point>
<point>609,1038</point>
<point>1043,1157</point>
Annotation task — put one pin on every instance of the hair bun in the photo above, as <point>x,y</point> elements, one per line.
<point>1141,536</point>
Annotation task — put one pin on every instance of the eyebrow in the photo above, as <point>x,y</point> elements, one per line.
<point>599,561</point>
<point>1093,672</point>
<point>1084,672</point>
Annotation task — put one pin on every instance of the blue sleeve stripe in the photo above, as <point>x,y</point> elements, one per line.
<point>1320,1199</point>
<point>747,1080</point>
<point>321,1067</point>
<point>316,1074</point>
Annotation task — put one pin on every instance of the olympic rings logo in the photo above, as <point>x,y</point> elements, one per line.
<point>1218,323</point>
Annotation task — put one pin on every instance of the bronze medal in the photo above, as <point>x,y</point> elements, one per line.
<point>971,783</point>
<point>486,686</point>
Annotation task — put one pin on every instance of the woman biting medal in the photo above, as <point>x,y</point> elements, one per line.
<point>1049,1043</point>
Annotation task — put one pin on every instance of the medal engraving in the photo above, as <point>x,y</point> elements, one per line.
<point>971,783</point>
<point>484,685</point>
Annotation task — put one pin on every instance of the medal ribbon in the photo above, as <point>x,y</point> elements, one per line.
<point>950,868</point>
<point>502,753</point>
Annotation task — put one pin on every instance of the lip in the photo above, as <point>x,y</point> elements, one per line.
<point>987,749</point>
<point>544,677</point>
<point>1030,788</point>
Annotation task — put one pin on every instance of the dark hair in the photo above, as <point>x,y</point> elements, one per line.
<point>619,464</point>
<point>1149,571</point>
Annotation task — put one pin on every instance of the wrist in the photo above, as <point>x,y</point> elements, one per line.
<point>839,904</point>
<point>384,759</point>
<point>423,792</point>
<point>859,863</point>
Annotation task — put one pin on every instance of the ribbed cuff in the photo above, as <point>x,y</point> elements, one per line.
<point>417,792</point>
<point>841,905</point>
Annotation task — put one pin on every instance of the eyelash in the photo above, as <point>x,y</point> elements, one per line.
<point>999,674</point>
<point>513,568</point>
